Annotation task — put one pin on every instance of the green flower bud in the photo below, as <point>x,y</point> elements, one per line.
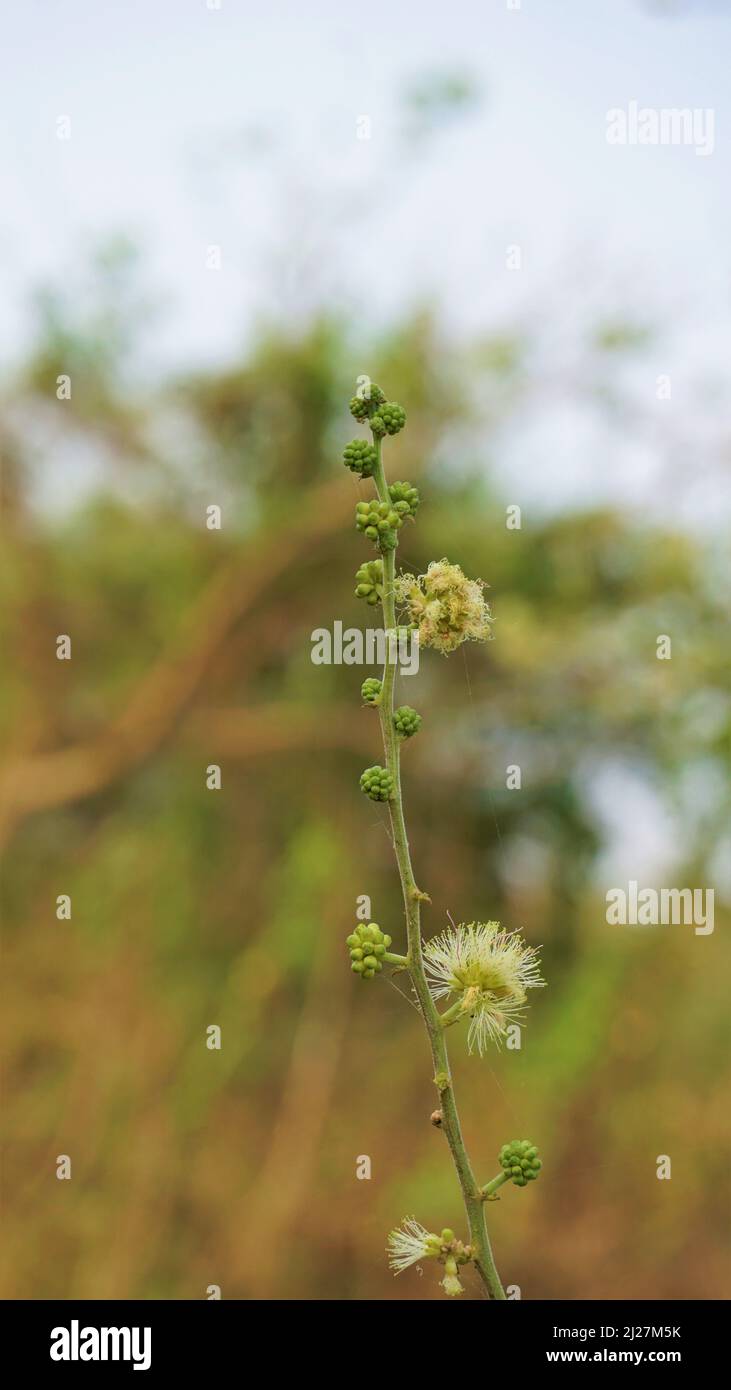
<point>379,521</point>
<point>367,945</point>
<point>358,407</point>
<point>389,418</point>
<point>369,580</point>
<point>360,457</point>
<point>377,783</point>
<point>366,401</point>
<point>520,1160</point>
<point>371,690</point>
<point>405,498</point>
<point>450,1282</point>
<point>406,721</point>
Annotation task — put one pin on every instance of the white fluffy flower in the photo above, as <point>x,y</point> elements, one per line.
<point>445,606</point>
<point>409,1243</point>
<point>489,971</point>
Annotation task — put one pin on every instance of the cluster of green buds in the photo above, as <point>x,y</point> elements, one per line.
<point>451,1253</point>
<point>520,1164</point>
<point>405,498</point>
<point>389,418</point>
<point>406,721</point>
<point>360,457</point>
<point>366,403</point>
<point>369,581</point>
<point>367,945</point>
<point>377,783</point>
<point>519,1161</point>
<point>371,690</point>
<point>379,521</point>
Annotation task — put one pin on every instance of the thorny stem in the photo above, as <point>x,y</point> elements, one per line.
<point>413,897</point>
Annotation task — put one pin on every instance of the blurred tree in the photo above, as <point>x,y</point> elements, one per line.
<point>192,907</point>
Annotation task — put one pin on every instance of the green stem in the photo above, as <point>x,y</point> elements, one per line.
<point>492,1186</point>
<point>452,1015</point>
<point>471,1196</point>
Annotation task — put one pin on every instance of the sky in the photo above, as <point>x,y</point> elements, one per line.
<point>235,125</point>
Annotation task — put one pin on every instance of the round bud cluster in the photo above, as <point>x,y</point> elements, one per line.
<point>368,945</point>
<point>520,1160</point>
<point>369,581</point>
<point>406,721</point>
<point>405,498</point>
<point>361,406</point>
<point>389,418</point>
<point>371,690</point>
<point>379,521</point>
<point>360,457</point>
<point>377,783</point>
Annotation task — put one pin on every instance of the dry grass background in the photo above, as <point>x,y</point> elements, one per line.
<point>191,907</point>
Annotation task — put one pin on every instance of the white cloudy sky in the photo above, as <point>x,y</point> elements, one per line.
<point>236,126</point>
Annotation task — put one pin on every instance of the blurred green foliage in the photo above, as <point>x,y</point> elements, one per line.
<point>192,907</point>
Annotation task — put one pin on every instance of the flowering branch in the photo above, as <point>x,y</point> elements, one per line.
<point>488,970</point>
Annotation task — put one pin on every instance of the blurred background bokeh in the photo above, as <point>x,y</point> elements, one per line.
<point>363,180</point>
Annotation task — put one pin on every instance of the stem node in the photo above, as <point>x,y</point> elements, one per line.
<point>418,896</point>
